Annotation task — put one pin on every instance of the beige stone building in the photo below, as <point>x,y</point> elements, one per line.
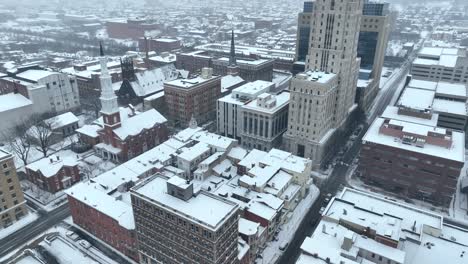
<point>12,203</point>
<point>323,97</point>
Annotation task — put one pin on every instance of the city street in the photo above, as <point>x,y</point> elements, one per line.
<point>337,178</point>
<point>22,236</point>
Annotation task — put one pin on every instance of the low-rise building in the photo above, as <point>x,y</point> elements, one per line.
<point>220,175</point>
<point>448,100</point>
<point>413,160</point>
<point>264,120</point>
<point>229,119</point>
<point>123,133</point>
<point>441,64</point>
<point>359,227</point>
<point>12,205</point>
<point>54,173</point>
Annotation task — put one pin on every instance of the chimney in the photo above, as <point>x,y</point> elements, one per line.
<point>58,158</point>
<point>51,160</point>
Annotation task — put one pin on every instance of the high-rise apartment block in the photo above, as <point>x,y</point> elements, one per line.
<point>176,225</point>
<point>12,204</point>
<point>329,84</point>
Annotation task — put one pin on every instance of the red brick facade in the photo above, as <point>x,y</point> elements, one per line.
<point>158,45</point>
<point>130,29</point>
<point>11,86</point>
<point>133,146</point>
<point>56,182</point>
<point>198,101</point>
<point>104,228</point>
<point>410,174</point>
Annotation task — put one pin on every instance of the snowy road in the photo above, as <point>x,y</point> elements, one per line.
<point>338,175</point>
<point>22,236</point>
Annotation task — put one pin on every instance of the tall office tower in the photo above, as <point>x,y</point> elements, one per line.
<point>373,39</point>
<point>12,204</point>
<point>323,97</point>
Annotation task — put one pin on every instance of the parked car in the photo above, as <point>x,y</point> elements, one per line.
<point>72,235</point>
<point>283,246</point>
<point>84,244</point>
<point>322,210</point>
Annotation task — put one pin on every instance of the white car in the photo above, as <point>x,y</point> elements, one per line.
<point>321,210</point>
<point>72,235</point>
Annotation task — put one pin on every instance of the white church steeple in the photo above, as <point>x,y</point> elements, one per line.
<point>108,98</point>
<point>109,104</point>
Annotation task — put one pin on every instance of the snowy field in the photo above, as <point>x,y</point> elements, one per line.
<point>272,252</point>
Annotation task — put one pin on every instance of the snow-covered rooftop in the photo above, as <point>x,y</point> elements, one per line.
<point>451,107</point>
<point>50,166</point>
<point>316,76</point>
<point>417,98</point>
<point>190,82</point>
<point>454,152</point>
<point>392,113</point>
<point>35,75</point>
<point>62,120</point>
<point>282,100</point>
<point>89,194</point>
<point>152,81</point>
<point>204,208</point>
<point>229,81</point>
<point>421,236</point>
<point>13,101</point>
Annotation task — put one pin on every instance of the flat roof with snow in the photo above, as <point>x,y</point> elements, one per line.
<point>35,75</point>
<point>13,101</point>
<point>392,113</point>
<point>455,152</point>
<point>206,209</point>
<point>451,107</point>
<point>316,76</point>
<point>417,98</point>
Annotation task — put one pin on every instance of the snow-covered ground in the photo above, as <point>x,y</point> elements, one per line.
<point>62,247</point>
<point>272,252</point>
<point>31,217</point>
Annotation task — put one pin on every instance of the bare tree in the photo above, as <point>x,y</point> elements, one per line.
<point>19,143</point>
<point>41,133</point>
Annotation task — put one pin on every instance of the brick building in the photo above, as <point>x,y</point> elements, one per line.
<point>54,173</point>
<point>158,45</point>
<point>413,160</point>
<point>104,216</point>
<point>174,225</point>
<point>193,97</point>
<point>130,29</point>
<point>12,204</point>
<point>123,133</point>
